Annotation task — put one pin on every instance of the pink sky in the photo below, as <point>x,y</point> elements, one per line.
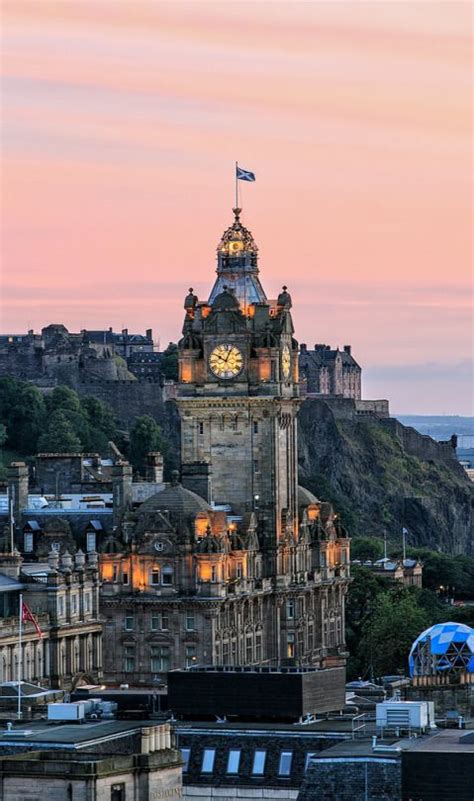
<point>120,127</point>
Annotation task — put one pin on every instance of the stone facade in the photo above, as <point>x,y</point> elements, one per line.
<point>238,565</point>
<point>330,372</point>
<point>64,596</point>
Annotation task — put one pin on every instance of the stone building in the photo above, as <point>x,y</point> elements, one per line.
<point>237,565</point>
<point>330,372</point>
<point>64,596</point>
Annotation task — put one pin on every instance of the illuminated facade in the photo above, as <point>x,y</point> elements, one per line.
<point>237,564</point>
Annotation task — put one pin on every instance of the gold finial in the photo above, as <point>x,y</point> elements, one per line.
<point>237,213</point>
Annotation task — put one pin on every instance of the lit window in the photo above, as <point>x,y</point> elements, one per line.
<point>208,760</point>
<point>309,756</point>
<point>258,767</point>
<point>28,542</point>
<point>286,758</point>
<point>128,624</point>
<point>233,762</point>
<point>155,576</point>
<point>91,541</point>
<point>290,645</point>
<point>185,752</point>
<point>167,575</point>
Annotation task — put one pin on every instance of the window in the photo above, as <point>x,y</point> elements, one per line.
<point>233,762</point>
<point>249,649</point>
<point>167,575</point>
<point>114,573</point>
<point>56,546</point>
<point>290,610</point>
<point>129,658</point>
<point>213,573</point>
<point>61,606</point>
<point>238,570</point>
<point>87,602</point>
<point>258,647</point>
<point>201,428</point>
<point>160,621</point>
<point>74,604</point>
<point>286,758</point>
<point>310,636</point>
<point>255,466</point>
<point>128,623</point>
<point>258,766</point>
<point>208,760</point>
<point>190,621</point>
<point>190,655</point>
<point>255,427</point>
<point>28,542</point>
<point>309,756</point>
<point>124,578</point>
<point>155,576</point>
<point>290,645</point>
<point>91,541</point>
<point>159,658</point>
<point>117,792</point>
<point>185,752</point>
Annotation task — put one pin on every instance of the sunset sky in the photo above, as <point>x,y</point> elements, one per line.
<point>121,124</point>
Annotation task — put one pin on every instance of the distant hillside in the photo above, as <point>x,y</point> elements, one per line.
<point>362,466</point>
<point>440,427</point>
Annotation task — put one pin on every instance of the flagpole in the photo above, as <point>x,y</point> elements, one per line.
<point>236,186</point>
<point>20,656</point>
<point>404,544</point>
<point>11,526</point>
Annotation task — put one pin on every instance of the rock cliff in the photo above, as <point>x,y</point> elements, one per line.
<point>366,468</point>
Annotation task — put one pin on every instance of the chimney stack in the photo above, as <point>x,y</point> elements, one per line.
<point>122,489</point>
<point>154,469</point>
<point>18,489</point>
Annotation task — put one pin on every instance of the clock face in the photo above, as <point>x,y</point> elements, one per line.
<point>286,361</point>
<point>226,361</point>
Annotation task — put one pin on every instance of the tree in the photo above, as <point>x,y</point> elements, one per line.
<point>145,436</point>
<point>3,435</point>
<point>366,548</point>
<point>64,398</point>
<point>23,413</point>
<point>395,622</point>
<point>59,436</point>
<point>169,362</point>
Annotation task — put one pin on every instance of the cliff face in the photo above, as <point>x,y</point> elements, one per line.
<point>362,466</point>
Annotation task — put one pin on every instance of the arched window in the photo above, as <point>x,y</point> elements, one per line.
<point>167,575</point>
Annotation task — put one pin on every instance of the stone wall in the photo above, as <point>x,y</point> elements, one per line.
<point>128,399</point>
<point>422,446</point>
<point>352,779</point>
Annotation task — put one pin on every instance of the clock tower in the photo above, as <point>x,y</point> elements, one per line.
<point>238,390</point>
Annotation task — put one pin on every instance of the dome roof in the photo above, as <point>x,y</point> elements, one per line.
<point>226,301</point>
<point>305,497</point>
<point>177,500</point>
<point>237,238</point>
<point>442,649</point>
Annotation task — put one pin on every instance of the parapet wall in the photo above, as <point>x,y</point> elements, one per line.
<point>422,446</point>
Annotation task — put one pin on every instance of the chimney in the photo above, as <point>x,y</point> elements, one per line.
<point>18,489</point>
<point>303,347</point>
<point>154,469</point>
<point>125,332</point>
<point>149,333</point>
<point>347,349</point>
<point>197,477</point>
<point>122,489</point>
<point>10,564</point>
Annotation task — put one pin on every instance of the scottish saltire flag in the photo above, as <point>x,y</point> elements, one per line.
<point>244,175</point>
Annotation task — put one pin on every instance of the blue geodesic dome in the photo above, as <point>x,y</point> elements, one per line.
<point>441,649</point>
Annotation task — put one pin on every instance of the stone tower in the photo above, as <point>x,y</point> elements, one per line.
<point>238,388</point>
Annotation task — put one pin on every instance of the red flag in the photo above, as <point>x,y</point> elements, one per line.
<point>27,614</point>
